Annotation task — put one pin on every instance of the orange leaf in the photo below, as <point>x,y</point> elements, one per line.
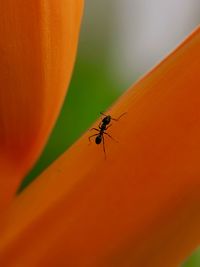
<point>140,207</point>
<point>37,51</point>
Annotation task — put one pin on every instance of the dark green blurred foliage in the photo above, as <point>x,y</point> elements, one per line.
<point>91,91</point>
<point>194,260</point>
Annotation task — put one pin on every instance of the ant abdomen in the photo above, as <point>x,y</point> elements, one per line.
<point>98,139</point>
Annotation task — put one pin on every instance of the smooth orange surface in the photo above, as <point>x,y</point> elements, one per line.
<point>140,207</point>
<point>38,41</point>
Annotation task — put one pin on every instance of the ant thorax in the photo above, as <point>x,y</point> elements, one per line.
<point>103,127</point>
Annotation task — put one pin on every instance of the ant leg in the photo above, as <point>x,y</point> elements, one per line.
<point>119,116</point>
<point>91,137</point>
<point>94,129</point>
<point>108,126</point>
<point>104,147</point>
<point>111,137</point>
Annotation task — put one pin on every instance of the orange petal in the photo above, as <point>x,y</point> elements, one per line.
<point>37,51</point>
<point>140,207</point>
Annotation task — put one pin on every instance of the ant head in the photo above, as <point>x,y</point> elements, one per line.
<point>107,119</point>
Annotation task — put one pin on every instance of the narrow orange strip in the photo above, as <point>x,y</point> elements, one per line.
<point>38,41</point>
<point>140,207</point>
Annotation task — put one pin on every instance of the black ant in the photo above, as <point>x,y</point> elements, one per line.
<point>103,126</point>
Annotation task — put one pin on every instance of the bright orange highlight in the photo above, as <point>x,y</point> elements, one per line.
<point>37,50</point>
<point>140,207</point>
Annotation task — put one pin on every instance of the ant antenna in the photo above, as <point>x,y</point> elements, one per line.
<point>114,119</point>
<point>118,117</point>
<point>103,114</point>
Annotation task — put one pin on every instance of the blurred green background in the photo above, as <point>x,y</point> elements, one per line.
<point>119,42</point>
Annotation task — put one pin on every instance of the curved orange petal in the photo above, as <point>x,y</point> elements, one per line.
<point>140,207</point>
<point>37,51</point>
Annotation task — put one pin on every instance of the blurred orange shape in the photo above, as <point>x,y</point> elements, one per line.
<point>37,50</point>
<point>140,207</point>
